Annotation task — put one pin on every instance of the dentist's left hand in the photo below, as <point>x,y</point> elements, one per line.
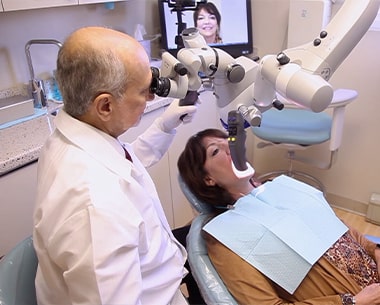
<point>174,115</point>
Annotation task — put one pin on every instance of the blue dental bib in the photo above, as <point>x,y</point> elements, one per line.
<point>281,228</point>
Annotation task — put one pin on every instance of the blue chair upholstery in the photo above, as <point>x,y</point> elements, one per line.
<point>297,129</point>
<point>211,286</point>
<point>294,126</point>
<point>17,273</point>
<point>375,239</point>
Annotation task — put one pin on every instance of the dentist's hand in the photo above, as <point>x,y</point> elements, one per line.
<point>174,115</point>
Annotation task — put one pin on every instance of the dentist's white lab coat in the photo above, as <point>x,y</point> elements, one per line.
<point>100,232</point>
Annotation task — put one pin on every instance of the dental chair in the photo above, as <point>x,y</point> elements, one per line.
<point>211,286</point>
<point>17,273</point>
<point>298,129</point>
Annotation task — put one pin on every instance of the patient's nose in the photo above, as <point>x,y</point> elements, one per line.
<point>226,148</point>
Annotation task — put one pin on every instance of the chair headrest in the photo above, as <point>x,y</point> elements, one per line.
<point>199,205</point>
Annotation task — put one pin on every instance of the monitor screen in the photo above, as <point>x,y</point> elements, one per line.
<point>230,20</point>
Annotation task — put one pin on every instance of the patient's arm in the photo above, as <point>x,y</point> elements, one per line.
<point>249,286</point>
<point>368,245</point>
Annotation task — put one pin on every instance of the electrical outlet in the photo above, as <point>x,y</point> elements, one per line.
<point>373,211</point>
<point>375,198</point>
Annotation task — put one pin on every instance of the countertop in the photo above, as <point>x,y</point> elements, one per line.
<point>21,143</point>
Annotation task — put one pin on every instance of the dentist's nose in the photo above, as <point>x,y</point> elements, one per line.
<point>150,97</point>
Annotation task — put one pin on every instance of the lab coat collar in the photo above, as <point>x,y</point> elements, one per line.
<point>96,143</point>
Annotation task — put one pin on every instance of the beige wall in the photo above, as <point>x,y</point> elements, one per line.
<point>16,28</point>
<point>357,171</point>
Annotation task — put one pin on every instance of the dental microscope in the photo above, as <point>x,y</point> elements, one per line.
<point>244,88</point>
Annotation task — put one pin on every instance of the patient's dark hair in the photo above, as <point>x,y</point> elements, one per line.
<point>191,168</point>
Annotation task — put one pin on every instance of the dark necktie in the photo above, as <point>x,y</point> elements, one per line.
<point>127,155</point>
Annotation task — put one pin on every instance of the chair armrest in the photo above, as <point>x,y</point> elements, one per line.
<point>17,273</point>
<point>341,98</point>
<point>211,286</point>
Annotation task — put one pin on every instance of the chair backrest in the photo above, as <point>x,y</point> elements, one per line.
<point>198,205</point>
<point>211,286</point>
<point>17,273</point>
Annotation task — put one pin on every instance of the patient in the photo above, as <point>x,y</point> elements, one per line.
<point>345,272</point>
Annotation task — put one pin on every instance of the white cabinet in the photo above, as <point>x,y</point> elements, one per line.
<point>14,5</point>
<point>97,1</point>
<point>18,192</point>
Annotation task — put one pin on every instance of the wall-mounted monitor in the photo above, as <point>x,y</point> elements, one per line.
<point>234,23</point>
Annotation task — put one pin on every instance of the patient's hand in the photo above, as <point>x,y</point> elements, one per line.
<point>377,259</point>
<point>370,295</point>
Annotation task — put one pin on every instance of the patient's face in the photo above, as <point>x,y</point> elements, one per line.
<point>218,163</point>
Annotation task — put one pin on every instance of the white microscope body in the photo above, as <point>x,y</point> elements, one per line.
<point>300,74</point>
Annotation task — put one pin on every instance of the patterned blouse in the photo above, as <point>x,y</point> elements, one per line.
<point>350,257</point>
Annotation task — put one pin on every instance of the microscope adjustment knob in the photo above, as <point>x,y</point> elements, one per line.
<point>278,105</point>
<point>235,73</point>
<point>256,121</point>
<point>213,68</point>
<point>251,114</point>
<point>282,58</point>
<point>180,69</point>
<point>317,42</point>
<point>323,34</point>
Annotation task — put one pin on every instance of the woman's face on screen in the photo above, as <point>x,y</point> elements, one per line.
<point>207,25</point>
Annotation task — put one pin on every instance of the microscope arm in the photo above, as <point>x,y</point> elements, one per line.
<point>300,74</point>
<point>325,53</point>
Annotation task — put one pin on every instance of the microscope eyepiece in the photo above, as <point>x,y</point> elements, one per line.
<point>160,86</point>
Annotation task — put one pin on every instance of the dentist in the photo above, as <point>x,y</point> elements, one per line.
<point>100,232</point>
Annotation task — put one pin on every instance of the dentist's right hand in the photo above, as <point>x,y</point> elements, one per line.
<point>175,114</point>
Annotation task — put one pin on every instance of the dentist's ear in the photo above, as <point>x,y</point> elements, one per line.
<point>209,181</point>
